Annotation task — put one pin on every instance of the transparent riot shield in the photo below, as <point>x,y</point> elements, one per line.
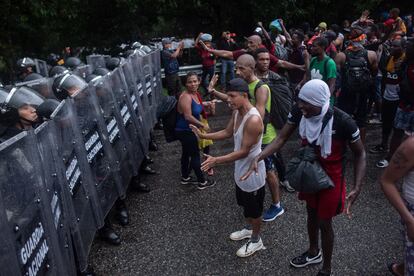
<point>42,86</point>
<point>126,107</point>
<point>57,196</point>
<point>104,166</point>
<point>41,67</point>
<point>28,217</point>
<point>83,71</point>
<point>8,262</point>
<point>118,138</point>
<point>150,92</point>
<point>135,91</point>
<point>96,61</point>
<point>79,182</point>
<point>140,78</point>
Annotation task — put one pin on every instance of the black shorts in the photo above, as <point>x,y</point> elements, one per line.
<point>252,202</point>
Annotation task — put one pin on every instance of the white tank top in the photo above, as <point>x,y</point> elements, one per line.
<point>255,181</point>
<point>408,187</point>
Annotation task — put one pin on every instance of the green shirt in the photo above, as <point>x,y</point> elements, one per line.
<point>270,134</point>
<point>322,70</point>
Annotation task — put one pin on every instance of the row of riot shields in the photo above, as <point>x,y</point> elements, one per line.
<point>60,180</point>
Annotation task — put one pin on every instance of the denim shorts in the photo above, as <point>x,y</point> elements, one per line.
<point>269,161</point>
<point>404,120</point>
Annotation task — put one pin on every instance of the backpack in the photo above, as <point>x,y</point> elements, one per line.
<point>281,52</point>
<point>281,98</point>
<point>357,75</point>
<point>167,111</point>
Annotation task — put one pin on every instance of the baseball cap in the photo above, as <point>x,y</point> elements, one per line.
<point>237,85</point>
<point>323,25</point>
<point>166,41</point>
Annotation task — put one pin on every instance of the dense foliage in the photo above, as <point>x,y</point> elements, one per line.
<point>38,27</point>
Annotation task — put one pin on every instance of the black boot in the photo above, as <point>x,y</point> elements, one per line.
<point>107,233</point>
<point>147,170</point>
<point>148,160</point>
<point>121,212</point>
<point>139,187</point>
<point>153,146</point>
<point>88,272</point>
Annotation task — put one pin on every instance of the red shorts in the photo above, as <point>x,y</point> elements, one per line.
<point>328,203</point>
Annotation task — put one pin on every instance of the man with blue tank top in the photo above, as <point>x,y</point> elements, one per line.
<point>246,127</point>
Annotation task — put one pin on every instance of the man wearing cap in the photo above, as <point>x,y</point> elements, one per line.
<point>254,42</point>
<point>208,60</point>
<point>329,143</point>
<point>171,66</point>
<point>246,127</point>
<point>260,97</point>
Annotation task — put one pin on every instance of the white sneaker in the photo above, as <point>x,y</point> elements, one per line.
<point>241,235</point>
<point>287,186</point>
<point>249,248</point>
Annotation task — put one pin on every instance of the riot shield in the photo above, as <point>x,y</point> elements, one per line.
<point>42,86</point>
<point>41,67</point>
<point>102,160</point>
<point>135,91</point>
<point>118,138</point>
<point>150,91</point>
<point>28,217</point>
<point>137,64</point>
<point>56,194</point>
<point>126,108</point>
<point>96,61</point>
<point>79,182</point>
<point>83,71</point>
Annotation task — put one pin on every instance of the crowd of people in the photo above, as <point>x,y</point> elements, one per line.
<point>328,84</point>
<point>335,82</point>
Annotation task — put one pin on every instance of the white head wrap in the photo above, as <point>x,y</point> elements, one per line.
<point>316,92</point>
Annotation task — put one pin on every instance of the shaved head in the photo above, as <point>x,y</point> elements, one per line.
<point>245,65</point>
<point>246,60</point>
<point>255,38</point>
<point>253,43</point>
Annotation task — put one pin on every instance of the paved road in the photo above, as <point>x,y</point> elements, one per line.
<point>179,230</point>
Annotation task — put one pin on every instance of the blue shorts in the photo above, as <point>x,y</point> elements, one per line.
<point>404,120</point>
<point>269,161</point>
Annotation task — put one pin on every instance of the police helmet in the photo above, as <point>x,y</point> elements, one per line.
<point>58,70</point>
<point>72,62</point>
<point>68,85</point>
<point>113,62</point>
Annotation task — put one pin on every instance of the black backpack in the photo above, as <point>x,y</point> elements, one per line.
<point>357,75</point>
<point>167,111</point>
<point>281,95</point>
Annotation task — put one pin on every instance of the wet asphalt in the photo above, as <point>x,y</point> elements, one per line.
<point>179,230</point>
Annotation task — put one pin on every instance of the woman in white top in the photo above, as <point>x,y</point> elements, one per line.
<point>402,167</point>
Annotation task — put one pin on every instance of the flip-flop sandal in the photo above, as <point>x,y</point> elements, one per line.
<point>391,269</point>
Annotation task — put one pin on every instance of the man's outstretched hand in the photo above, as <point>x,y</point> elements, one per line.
<point>208,163</point>
<point>252,168</point>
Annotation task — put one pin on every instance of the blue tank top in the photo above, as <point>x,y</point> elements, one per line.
<point>182,124</point>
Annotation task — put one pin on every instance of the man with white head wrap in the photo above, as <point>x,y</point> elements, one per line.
<point>330,144</point>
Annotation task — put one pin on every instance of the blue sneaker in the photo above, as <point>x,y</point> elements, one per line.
<point>272,213</point>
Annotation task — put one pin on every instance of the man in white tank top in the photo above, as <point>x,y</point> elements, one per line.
<point>246,126</point>
<point>402,167</point>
